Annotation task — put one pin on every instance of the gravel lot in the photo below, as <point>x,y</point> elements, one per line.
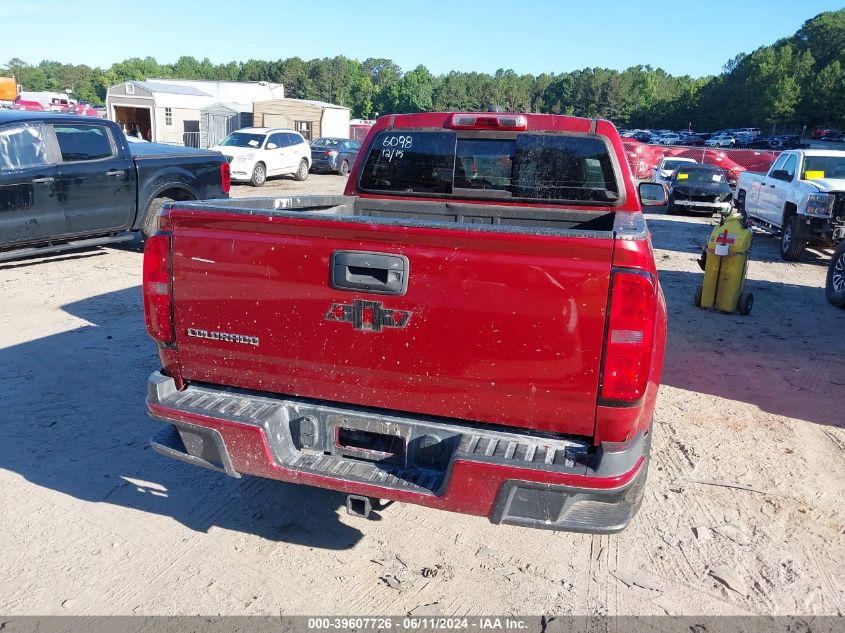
<point>743,512</point>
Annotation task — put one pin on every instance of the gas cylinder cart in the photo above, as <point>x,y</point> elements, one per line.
<point>725,264</point>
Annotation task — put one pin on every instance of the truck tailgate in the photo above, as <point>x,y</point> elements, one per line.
<point>495,327</point>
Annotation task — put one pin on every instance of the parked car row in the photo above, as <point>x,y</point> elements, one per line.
<point>825,134</point>
<point>830,134</point>
<point>733,138</point>
<point>720,138</point>
<point>776,142</point>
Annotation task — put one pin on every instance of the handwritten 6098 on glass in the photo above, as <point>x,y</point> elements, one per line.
<point>394,146</point>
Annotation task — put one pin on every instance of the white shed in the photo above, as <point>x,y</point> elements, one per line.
<point>161,113</point>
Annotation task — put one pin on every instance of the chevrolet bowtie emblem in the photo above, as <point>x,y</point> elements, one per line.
<point>369,316</point>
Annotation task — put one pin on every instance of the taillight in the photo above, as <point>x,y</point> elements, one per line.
<point>630,337</point>
<point>226,177</point>
<point>158,291</point>
<point>488,122</point>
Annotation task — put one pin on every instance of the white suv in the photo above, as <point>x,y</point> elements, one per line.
<point>670,139</point>
<point>255,153</point>
<point>721,140</point>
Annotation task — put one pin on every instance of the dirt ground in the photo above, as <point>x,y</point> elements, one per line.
<point>743,511</point>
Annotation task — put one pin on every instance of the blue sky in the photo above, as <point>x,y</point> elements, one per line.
<point>683,37</point>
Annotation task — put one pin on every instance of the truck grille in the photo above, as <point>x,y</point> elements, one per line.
<point>695,197</point>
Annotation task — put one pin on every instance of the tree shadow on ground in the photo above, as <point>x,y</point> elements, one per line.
<point>787,357</point>
<point>74,421</point>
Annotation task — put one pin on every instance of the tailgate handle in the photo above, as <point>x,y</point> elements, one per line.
<point>379,273</point>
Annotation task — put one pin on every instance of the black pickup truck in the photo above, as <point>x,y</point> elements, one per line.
<point>71,181</point>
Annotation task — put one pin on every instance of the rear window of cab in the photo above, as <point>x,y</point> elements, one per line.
<point>523,166</point>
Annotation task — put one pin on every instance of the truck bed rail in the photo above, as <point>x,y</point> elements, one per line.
<point>455,215</point>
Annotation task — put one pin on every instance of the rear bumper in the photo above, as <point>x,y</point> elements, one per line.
<point>322,164</point>
<point>507,475</point>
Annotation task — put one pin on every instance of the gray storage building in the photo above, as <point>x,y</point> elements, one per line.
<point>221,119</point>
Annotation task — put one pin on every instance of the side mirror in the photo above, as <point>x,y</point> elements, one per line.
<point>272,146</point>
<point>652,194</point>
<point>781,174</point>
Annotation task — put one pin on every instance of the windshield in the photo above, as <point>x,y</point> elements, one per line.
<point>530,166</point>
<point>818,167</point>
<point>324,142</point>
<point>699,175</point>
<point>672,165</point>
<point>242,139</point>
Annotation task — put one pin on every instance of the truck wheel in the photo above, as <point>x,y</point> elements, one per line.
<point>150,225</point>
<point>746,302</point>
<point>344,168</point>
<point>697,299</point>
<point>792,240</point>
<point>302,172</point>
<point>740,203</point>
<point>834,289</point>
<point>259,175</point>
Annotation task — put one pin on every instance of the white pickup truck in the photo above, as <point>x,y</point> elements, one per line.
<point>802,199</point>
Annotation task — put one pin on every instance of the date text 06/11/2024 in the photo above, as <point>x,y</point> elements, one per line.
<point>419,624</point>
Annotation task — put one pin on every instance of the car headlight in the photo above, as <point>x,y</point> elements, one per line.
<point>820,205</point>
<point>244,157</point>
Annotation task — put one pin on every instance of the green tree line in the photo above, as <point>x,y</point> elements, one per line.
<point>799,80</point>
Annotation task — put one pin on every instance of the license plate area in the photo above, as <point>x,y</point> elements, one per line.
<point>363,438</point>
<point>369,445</point>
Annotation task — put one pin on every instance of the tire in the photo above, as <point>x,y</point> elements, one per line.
<point>746,302</point>
<point>740,203</point>
<point>344,168</point>
<point>834,288</point>
<point>150,225</point>
<point>697,298</point>
<point>259,175</point>
<point>792,240</point>
<point>302,171</point>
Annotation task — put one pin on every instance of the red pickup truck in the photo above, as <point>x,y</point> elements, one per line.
<point>476,326</point>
